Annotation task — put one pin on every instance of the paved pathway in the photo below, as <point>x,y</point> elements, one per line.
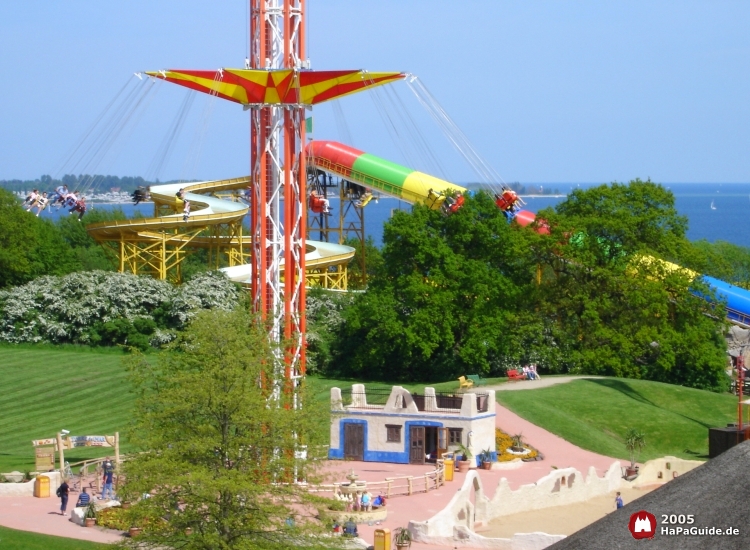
<point>419,507</point>
<point>42,515</point>
<point>38,515</point>
<point>543,382</point>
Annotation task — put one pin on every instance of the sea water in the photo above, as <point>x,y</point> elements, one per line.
<point>715,211</point>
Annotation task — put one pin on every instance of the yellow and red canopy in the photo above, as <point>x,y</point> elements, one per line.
<point>282,86</point>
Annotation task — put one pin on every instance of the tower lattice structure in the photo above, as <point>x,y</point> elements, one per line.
<point>278,206</point>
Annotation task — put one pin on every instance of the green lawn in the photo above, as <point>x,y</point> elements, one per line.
<point>44,390</point>
<point>321,387</point>
<point>595,414</point>
<point>10,539</point>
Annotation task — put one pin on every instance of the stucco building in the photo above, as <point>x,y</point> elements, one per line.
<point>401,427</point>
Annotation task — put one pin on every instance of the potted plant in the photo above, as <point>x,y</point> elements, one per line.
<point>517,445</point>
<point>89,516</point>
<point>462,458</point>
<point>635,441</point>
<point>134,531</point>
<point>485,459</point>
<point>402,537</point>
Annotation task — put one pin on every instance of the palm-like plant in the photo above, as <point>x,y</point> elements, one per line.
<point>635,441</point>
<point>402,537</point>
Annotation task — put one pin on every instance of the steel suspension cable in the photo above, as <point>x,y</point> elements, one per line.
<point>390,124</point>
<point>341,124</point>
<point>85,136</point>
<point>128,122</point>
<point>418,139</point>
<point>170,138</point>
<point>490,179</point>
<point>189,167</point>
<point>95,139</point>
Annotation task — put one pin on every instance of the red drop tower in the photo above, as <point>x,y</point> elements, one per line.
<point>277,87</point>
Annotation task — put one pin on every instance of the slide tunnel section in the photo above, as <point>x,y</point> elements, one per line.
<point>417,187</point>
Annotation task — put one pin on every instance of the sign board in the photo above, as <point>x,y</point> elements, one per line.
<point>78,441</point>
<point>44,459</point>
<point>89,441</point>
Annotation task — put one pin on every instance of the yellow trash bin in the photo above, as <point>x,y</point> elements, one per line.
<point>382,539</point>
<point>449,467</point>
<point>41,487</point>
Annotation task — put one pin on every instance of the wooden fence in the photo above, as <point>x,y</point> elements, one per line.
<point>395,486</point>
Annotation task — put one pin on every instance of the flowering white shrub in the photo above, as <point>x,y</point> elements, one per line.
<point>207,290</point>
<point>67,309</point>
<point>324,317</point>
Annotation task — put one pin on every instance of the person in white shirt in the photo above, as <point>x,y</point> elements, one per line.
<point>41,203</point>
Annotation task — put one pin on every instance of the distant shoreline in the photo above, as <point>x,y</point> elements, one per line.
<point>543,196</point>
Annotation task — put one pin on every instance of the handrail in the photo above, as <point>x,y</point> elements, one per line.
<point>432,480</point>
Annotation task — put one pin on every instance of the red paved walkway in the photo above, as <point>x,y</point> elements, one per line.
<point>419,507</point>
<point>38,515</point>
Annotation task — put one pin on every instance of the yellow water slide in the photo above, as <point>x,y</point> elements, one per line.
<point>158,245</point>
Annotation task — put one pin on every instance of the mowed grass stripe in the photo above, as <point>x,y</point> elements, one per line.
<point>596,414</point>
<point>94,394</point>
<point>12,539</point>
<point>47,390</point>
<point>52,388</point>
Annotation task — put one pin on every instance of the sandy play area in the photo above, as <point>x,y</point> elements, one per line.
<point>560,520</point>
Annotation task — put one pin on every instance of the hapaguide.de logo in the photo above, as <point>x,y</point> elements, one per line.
<point>642,525</point>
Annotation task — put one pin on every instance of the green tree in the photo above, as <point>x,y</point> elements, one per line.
<point>324,317</point>
<point>469,293</point>
<point>636,216</point>
<point>612,306</point>
<point>723,260</point>
<point>89,253</point>
<point>223,444</point>
<point>373,262</point>
<point>447,301</point>
<point>29,247</point>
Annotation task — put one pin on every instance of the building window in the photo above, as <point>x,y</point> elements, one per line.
<point>393,433</point>
<point>454,436</point>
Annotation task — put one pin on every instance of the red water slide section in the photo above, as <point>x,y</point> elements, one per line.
<point>525,218</point>
<point>336,153</point>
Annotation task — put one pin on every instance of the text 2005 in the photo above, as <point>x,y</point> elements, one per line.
<point>674,519</point>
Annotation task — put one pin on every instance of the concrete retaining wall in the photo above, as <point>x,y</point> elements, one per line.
<point>661,470</point>
<point>27,489</point>
<point>455,523</point>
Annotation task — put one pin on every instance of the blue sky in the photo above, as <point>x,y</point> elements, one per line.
<point>546,91</point>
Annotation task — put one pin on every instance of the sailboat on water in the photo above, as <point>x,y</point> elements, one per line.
<point>713,207</point>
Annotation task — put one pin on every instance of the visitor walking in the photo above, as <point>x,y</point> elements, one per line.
<point>63,491</point>
<point>618,501</point>
<point>109,471</point>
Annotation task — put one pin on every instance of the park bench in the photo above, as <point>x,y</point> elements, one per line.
<point>476,380</point>
<point>464,383</point>
<point>514,375</point>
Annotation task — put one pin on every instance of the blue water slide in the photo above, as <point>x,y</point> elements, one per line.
<point>737,299</point>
